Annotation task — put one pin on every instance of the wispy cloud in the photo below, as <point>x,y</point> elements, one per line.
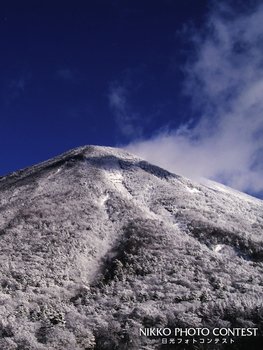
<point>126,119</point>
<point>18,84</point>
<point>16,87</point>
<point>65,74</point>
<point>225,80</point>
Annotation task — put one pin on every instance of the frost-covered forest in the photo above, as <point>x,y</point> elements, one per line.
<point>97,243</point>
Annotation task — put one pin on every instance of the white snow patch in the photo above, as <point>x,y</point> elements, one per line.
<point>54,173</point>
<point>192,189</point>
<point>104,199</point>
<point>113,173</point>
<point>226,250</point>
<point>218,248</point>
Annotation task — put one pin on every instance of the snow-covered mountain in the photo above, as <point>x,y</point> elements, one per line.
<point>97,244</point>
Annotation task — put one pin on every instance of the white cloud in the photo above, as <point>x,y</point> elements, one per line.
<point>124,117</point>
<point>225,80</point>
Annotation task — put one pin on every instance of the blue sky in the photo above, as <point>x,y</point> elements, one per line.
<point>177,82</point>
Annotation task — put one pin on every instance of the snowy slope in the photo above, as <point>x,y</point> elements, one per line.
<point>97,243</point>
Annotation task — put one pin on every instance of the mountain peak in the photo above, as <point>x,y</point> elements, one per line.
<point>89,154</point>
<point>79,153</point>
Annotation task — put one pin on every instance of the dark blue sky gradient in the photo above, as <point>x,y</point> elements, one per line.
<point>59,60</point>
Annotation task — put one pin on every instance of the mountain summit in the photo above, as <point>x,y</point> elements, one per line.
<point>97,246</point>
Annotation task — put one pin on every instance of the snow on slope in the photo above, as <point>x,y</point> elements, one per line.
<point>96,243</point>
